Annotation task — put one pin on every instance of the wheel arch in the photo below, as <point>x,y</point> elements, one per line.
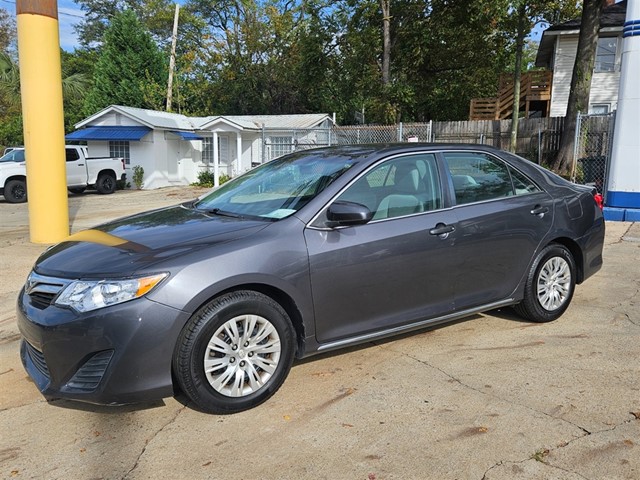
<point>107,171</point>
<point>22,178</point>
<point>576,253</point>
<point>279,296</point>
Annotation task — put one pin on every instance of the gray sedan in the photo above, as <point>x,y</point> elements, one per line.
<point>311,252</point>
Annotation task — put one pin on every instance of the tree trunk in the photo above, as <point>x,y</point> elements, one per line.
<point>580,83</point>
<point>515,114</point>
<point>386,40</point>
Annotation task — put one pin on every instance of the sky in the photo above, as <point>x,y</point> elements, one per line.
<point>70,14</point>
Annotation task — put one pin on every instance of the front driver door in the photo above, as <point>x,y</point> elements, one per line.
<point>392,271</point>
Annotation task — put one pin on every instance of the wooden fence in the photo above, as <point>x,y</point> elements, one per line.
<point>538,138</point>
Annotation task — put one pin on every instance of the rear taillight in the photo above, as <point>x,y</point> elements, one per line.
<point>599,200</point>
<point>124,166</point>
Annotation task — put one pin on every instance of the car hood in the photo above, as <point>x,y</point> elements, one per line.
<point>141,241</point>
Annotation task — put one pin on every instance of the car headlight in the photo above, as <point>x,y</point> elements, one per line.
<point>87,295</point>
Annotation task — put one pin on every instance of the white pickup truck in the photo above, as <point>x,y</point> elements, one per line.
<point>82,172</point>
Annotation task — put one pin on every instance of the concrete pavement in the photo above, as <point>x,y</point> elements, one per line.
<point>491,397</point>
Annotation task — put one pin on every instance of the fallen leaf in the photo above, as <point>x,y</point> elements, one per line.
<point>636,414</point>
<point>629,442</point>
<point>96,433</point>
<point>286,417</point>
<point>14,472</point>
<point>371,476</point>
<point>347,425</point>
<point>82,450</point>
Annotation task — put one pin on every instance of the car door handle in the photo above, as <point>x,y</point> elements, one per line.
<point>539,210</point>
<point>442,229</point>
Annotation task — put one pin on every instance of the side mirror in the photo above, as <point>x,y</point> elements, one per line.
<point>346,214</point>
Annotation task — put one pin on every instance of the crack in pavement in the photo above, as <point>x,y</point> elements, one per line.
<point>146,444</point>
<point>452,377</point>
<point>558,447</point>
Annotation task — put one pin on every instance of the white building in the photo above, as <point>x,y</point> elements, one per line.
<point>173,148</point>
<point>557,52</point>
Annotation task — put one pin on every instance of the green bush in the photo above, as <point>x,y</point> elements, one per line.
<point>138,176</point>
<point>206,178</point>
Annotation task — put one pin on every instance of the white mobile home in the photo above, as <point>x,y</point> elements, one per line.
<point>173,148</point>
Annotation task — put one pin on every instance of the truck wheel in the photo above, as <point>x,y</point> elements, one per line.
<point>106,183</point>
<point>77,190</point>
<point>15,191</point>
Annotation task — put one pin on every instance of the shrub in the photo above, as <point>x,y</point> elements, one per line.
<point>206,178</point>
<point>138,176</point>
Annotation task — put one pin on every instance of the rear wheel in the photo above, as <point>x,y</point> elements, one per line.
<point>235,352</point>
<point>106,183</point>
<point>15,191</point>
<point>550,285</point>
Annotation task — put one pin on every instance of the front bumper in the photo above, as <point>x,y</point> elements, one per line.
<point>116,355</point>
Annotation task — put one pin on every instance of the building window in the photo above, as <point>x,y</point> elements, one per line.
<point>599,109</point>
<point>281,146</point>
<point>606,54</point>
<point>120,149</point>
<point>207,150</point>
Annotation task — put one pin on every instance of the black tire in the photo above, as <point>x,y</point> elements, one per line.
<point>106,183</point>
<point>215,392</point>
<point>77,190</point>
<point>15,191</point>
<point>550,285</point>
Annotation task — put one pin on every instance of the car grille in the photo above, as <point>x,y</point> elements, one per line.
<point>43,290</point>
<point>37,358</point>
<point>88,377</point>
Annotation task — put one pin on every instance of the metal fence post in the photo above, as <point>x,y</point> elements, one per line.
<point>264,145</point>
<point>431,137</point>
<point>400,132</point>
<point>539,144</point>
<point>607,165</point>
<point>576,145</point>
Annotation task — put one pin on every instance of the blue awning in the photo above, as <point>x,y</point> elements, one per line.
<point>187,135</point>
<point>109,133</point>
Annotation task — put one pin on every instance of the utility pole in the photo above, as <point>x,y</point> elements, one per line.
<point>172,59</point>
<point>43,119</point>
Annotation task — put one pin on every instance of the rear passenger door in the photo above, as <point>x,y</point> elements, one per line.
<point>502,216</point>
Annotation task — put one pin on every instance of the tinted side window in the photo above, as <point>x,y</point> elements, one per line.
<point>522,185</point>
<point>399,187</point>
<point>71,154</point>
<point>478,177</point>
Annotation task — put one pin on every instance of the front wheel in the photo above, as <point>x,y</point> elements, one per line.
<point>549,286</point>
<point>15,191</point>
<point>106,183</point>
<point>235,352</point>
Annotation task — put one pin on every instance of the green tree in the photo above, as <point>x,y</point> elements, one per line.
<point>74,87</point>
<point>522,16</point>
<point>130,69</point>
<point>155,15</point>
<point>7,31</point>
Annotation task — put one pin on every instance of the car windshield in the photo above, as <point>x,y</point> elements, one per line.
<point>16,155</point>
<point>279,188</point>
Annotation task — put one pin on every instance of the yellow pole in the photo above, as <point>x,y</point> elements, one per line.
<point>43,119</point>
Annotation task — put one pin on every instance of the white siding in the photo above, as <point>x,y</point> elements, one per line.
<point>604,86</point>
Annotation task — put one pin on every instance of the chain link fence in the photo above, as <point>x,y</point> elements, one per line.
<point>538,140</point>
<point>278,142</point>
<point>592,150</point>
